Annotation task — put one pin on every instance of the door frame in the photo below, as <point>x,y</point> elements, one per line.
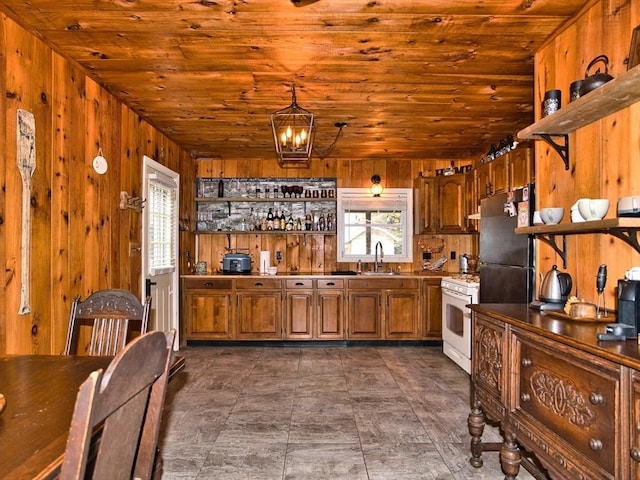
<point>149,164</point>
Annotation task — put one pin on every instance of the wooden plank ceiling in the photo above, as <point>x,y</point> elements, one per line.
<point>413,79</point>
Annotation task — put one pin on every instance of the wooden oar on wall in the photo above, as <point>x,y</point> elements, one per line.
<point>26,159</point>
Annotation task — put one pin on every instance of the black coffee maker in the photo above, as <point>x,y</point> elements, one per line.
<point>628,324</point>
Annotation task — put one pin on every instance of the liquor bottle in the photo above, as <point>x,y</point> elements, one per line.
<point>270,219</point>
<point>283,223</point>
<point>220,187</point>
<point>290,223</point>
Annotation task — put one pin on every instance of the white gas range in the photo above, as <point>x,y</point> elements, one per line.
<point>458,291</point>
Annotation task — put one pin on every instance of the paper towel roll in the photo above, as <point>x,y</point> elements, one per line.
<point>265,260</point>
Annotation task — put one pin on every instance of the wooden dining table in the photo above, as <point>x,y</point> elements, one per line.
<point>40,393</point>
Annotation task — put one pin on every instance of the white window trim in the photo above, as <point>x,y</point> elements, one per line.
<point>389,195</point>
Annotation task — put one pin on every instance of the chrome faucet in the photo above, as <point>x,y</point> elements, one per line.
<point>378,261</point>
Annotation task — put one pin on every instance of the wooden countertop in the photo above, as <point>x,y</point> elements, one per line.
<point>420,274</point>
<point>576,333</point>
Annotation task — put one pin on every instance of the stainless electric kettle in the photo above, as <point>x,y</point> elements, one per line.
<point>555,286</point>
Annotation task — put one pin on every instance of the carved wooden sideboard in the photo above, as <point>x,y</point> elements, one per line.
<point>561,397</point>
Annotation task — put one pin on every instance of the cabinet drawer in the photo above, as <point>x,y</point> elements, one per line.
<point>383,283</point>
<point>574,399</point>
<point>333,283</point>
<point>299,283</point>
<point>208,283</point>
<point>258,283</point>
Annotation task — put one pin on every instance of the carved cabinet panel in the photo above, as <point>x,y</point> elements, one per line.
<point>488,358</point>
<point>575,396</point>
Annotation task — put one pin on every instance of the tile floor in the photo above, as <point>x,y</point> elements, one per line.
<point>313,412</point>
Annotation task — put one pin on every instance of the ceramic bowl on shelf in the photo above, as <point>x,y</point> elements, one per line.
<point>593,208</point>
<point>551,215</point>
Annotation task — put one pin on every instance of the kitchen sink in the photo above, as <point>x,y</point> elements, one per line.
<point>382,274</point>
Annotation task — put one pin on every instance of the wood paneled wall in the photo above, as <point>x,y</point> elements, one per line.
<point>604,157</point>
<point>79,237</point>
<point>319,254</point>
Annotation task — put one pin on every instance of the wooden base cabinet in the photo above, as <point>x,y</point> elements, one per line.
<point>259,309</point>
<point>330,312</point>
<point>208,309</point>
<point>386,308</point>
<point>308,308</point>
<point>573,406</point>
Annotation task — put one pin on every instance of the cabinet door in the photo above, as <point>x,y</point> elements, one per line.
<point>484,180</point>
<point>425,199</point>
<point>364,315</point>
<point>208,314</point>
<point>432,309</point>
<point>330,314</point>
<point>401,314</point>
<point>298,314</point>
<point>259,315</point>
<point>499,174</point>
<point>451,204</point>
<point>634,451</point>
<point>471,202</point>
<point>520,167</point>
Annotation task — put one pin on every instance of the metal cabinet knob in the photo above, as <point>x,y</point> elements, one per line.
<point>635,454</point>
<point>525,397</point>
<point>526,362</point>
<point>595,444</point>
<point>596,398</point>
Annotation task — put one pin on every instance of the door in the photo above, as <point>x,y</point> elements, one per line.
<point>160,244</point>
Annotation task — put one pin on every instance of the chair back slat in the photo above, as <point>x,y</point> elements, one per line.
<point>115,424</point>
<point>113,315</point>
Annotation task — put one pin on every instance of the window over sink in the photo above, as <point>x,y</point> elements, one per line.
<point>365,220</point>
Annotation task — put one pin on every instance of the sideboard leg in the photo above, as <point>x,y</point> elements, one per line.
<point>476,423</point>
<point>510,456</point>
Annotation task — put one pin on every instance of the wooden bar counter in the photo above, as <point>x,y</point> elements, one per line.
<point>570,401</point>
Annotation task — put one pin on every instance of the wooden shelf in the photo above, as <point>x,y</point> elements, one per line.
<point>625,228</point>
<point>613,96</point>
<point>265,232</point>
<point>262,200</point>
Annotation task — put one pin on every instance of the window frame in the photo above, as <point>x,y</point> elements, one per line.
<point>389,196</point>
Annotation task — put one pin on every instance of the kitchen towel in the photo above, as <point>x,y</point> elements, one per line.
<point>265,260</point>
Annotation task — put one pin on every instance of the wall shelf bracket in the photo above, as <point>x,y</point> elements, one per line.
<point>550,239</point>
<point>629,235</point>
<point>562,149</point>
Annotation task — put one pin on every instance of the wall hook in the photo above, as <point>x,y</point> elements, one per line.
<point>134,203</point>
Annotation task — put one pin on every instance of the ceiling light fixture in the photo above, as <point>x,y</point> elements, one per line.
<point>376,189</point>
<point>293,134</point>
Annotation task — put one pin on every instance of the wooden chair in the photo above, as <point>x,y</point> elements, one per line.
<point>113,314</point>
<point>116,421</point>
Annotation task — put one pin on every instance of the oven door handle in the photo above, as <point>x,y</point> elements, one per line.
<point>456,295</point>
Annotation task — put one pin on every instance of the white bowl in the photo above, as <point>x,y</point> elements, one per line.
<point>593,208</point>
<point>272,270</point>
<point>552,215</point>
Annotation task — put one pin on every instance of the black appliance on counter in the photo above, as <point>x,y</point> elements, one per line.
<point>506,259</point>
<point>629,303</point>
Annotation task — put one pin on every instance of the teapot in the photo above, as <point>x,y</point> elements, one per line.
<point>555,286</point>
<point>591,82</point>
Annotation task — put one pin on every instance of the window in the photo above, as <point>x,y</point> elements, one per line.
<point>162,216</point>
<point>364,220</point>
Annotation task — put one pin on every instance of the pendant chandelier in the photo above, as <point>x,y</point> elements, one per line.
<point>293,132</point>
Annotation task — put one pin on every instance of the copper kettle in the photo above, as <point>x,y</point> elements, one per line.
<point>591,82</point>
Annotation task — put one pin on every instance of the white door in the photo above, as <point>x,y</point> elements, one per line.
<point>160,244</point>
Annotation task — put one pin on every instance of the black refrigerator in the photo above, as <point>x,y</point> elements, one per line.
<point>506,259</point>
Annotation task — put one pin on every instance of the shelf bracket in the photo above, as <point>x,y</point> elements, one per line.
<point>563,150</point>
<point>629,236</point>
<point>550,239</point>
